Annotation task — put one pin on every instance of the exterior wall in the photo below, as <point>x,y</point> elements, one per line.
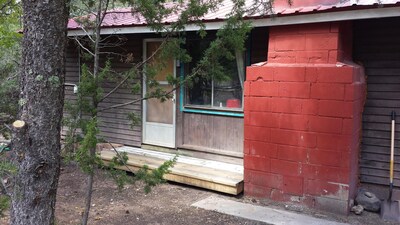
<point>221,135</point>
<point>114,124</point>
<point>377,47</point>
<point>303,118</point>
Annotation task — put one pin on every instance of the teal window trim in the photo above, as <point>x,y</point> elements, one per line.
<point>202,111</point>
<point>210,111</point>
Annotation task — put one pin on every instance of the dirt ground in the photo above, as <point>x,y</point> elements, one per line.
<point>168,203</point>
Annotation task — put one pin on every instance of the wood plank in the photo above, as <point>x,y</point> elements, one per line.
<point>378,172</point>
<point>370,163</point>
<point>219,134</point>
<point>200,176</point>
<point>157,153</point>
<point>194,182</point>
<point>199,172</point>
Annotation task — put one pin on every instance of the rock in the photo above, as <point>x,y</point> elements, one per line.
<point>295,208</point>
<point>368,200</point>
<point>357,209</point>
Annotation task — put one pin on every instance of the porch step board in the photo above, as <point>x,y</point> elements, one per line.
<point>208,174</point>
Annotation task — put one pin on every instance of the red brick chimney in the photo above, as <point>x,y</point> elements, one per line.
<point>303,117</point>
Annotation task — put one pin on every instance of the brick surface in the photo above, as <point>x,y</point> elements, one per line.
<point>246,147</point>
<point>267,150</point>
<point>289,74</point>
<point>312,74</point>
<point>264,73</point>
<point>277,195</point>
<point>334,56</point>
<point>257,163</point>
<point>326,124</point>
<point>262,104</point>
<point>294,89</point>
<point>308,139</point>
<point>263,89</point>
<point>334,142</point>
<point>265,119</point>
<point>246,88</point>
<point>332,174</point>
<point>257,133</point>
<point>256,191</point>
<point>285,167</point>
<point>309,107</point>
<point>327,41</point>
<point>285,137</point>
<point>281,57</point>
<point>290,42</point>
<point>291,153</point>
<point>351,126</point>
<point>302,134</point>
<point>325,158</point>
<point>335,108</point>
<point>312,57</point>
<point>286,105</point>
<point>266,179</point>
<point>246,118</point>
<point>326,91</point>
<point>332,74</point>
<point>293,185</point>
<point>294,122</point>
<point>323,187</point>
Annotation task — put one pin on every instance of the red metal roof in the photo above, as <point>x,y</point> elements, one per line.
<point>123,17</point>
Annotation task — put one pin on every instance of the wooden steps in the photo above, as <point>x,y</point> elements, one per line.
<point>213,175</point>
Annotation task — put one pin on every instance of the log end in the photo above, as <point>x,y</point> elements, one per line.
<point>18,124</point>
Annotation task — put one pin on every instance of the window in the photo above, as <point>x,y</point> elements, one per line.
<point>210,93</point>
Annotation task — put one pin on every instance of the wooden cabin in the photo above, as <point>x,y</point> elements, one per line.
<point>310,122</point>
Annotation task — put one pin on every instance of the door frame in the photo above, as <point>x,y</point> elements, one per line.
<point>144,112</point>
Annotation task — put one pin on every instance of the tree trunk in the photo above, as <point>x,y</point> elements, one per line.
<point>89,192</point>
<point>37,144</point>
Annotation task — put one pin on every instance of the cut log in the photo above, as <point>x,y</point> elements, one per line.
<point>18,124</point>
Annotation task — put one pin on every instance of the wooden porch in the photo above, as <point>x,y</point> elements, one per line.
<point>208,174</point>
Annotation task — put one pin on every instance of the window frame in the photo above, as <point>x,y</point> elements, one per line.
<point>234,112</point>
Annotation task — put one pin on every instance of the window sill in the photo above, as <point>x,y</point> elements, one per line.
<point>222,111</point>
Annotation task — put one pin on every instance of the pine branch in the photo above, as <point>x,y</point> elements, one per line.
<point>136,67</point>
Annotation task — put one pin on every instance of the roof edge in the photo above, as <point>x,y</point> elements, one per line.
<point>278,20</point>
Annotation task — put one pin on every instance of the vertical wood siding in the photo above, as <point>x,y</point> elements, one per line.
<point>377,47</point>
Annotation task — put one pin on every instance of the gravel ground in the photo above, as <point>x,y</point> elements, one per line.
<point>169,203</point>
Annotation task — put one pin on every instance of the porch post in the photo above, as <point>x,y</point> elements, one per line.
<point>303,118</point>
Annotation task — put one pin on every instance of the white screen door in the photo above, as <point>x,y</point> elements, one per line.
<point>158,117</point>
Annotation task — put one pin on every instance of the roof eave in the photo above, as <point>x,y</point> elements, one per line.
<point>277,20</point>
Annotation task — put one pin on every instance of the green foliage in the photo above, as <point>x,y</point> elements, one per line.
<point>119,176</point>
<point>53,80</point>
<point>9,56</point>
<point>4,204</point>
<point>83,156</point>
<point>10,13</point>
<point>151,178</point>
<point>7,170</point>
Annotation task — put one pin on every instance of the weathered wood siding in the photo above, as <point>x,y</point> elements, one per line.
<point>114,125</point>
<point>377,47</point>
<point>215,134</point>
